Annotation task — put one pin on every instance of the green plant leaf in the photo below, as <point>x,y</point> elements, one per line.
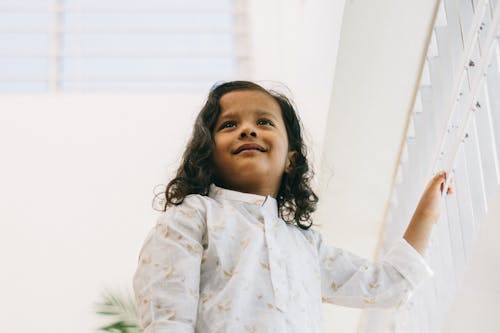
<point>121,310</point>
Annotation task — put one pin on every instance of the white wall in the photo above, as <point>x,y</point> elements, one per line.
<point>77,174</point>
<point>381,47</point>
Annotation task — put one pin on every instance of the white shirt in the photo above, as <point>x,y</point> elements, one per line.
<point>227,262</point>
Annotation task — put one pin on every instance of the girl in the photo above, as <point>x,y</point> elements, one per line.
<point>234,251</point>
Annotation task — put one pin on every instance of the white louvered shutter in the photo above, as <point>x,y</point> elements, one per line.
<point>455,125</point>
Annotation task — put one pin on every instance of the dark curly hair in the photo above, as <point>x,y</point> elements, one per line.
<point>296,199</point>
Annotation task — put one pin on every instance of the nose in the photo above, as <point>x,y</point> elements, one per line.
<point>248,130</point>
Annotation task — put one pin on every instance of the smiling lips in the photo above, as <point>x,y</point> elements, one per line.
<point>249,146</point>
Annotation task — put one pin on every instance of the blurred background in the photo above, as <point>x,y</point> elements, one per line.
<point>97,102</point>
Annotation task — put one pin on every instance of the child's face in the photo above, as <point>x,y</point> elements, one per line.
<point>251,144</point>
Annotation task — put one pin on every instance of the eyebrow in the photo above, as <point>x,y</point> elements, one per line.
<point>233,114</point>
<point>265,113</point>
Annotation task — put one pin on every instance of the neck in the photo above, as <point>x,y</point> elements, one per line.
<point>259,189</point>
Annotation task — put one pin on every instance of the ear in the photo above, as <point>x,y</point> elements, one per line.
<point>290,161</point>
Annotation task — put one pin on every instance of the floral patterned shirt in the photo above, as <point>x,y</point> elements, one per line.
<point>227,262</point>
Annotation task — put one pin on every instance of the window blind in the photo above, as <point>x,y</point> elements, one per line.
<point>151,45</point>
<point>454,125</point>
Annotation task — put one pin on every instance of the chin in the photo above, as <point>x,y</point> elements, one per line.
<point>253,170</point>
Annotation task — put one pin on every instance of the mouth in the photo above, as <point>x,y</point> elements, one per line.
<point>249,146</point>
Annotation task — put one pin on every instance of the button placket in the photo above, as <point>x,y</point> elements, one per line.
<point>276,265</point>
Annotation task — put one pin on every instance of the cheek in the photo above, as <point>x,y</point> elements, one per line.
<point>284,143</point>
<point>281,149</point>
<point>217,141</point>
<point>220,147</point>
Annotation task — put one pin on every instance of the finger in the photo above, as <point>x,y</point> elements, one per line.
<point>440,174</point>
<point>450,187</point>
<point>440,177</point>
<point>449,183</point>
<point>438,181</point>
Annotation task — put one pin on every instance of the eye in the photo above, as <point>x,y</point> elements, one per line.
<point>264,122</point>
<point>227,124</point>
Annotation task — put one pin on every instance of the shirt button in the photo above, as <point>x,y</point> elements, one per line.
<point>261,219</point>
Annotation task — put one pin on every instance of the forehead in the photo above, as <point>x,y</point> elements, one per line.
<point>249,101</point>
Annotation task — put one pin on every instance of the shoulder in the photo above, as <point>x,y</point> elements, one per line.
<point>187,217</point>
<point>198,202</point>
<point>193,206</point>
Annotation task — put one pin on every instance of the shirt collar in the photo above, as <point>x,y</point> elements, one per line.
<point>267,202</point>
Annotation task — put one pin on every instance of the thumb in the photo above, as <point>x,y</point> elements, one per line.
<point>437,182</point>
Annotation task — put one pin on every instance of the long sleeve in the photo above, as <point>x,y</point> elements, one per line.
<point>167,280</point>
<point>350,280</point>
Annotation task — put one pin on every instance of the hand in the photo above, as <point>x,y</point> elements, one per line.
<point>429,204</point>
